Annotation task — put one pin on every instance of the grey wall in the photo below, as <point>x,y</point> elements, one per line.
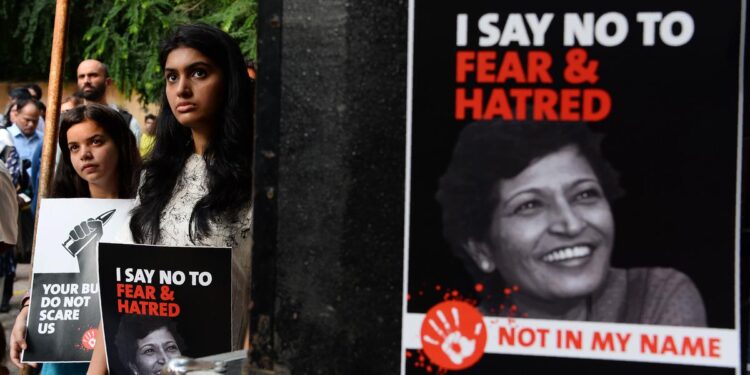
<point>339,195</point>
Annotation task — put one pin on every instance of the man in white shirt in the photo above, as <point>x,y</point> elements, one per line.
<point>8,225</point>
<point>24,132</point>
<point>9,209</point>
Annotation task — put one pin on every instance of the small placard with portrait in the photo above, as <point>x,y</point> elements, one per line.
<point>162,302</point>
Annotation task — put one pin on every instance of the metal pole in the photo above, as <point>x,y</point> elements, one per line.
<point>54,90</point>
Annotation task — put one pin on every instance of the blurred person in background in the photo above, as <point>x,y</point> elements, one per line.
<point>149,135</point>
<point>36,93</point>
<point>9,114</point>
<point>69,102</point>
<point>26,137</point>
<point>93,80</point>
<point>8,235</point>
<point>24,129</point>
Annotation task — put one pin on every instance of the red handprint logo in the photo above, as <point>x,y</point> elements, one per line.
<point>88,340</point>
<point>453,335</point>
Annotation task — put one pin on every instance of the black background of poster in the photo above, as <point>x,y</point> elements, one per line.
<point>671,134</point>
<point>204,321</point>
<point>59,345</point>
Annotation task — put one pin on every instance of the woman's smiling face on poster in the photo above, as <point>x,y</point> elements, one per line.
<point>154,350</point>
<point>552,230</point>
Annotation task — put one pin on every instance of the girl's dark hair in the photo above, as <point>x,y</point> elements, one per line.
<point>67,183</point>
<point>228,155</point>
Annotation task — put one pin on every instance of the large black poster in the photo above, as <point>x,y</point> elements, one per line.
<point>162,302</point>
<point>572,187</point>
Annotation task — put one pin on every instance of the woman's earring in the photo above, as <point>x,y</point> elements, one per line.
<point>485,265</point>
<point>478,252</point>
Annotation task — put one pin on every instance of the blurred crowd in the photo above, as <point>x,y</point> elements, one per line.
<point>22,126</point>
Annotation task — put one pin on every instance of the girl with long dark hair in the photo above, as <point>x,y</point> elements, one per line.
<point>205,119</point>
<point>196,185</point>
<point>80,174</point>
<point>99,160</point>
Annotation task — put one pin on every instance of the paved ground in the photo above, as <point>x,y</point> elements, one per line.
<point>20,287</point>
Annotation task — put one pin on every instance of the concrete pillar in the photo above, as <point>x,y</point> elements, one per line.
<point>328,262</point>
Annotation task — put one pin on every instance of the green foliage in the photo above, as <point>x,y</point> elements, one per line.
<point>25,49</point>
<point>124,34</point>
<point>26,27</point>
<point>127,40</point>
